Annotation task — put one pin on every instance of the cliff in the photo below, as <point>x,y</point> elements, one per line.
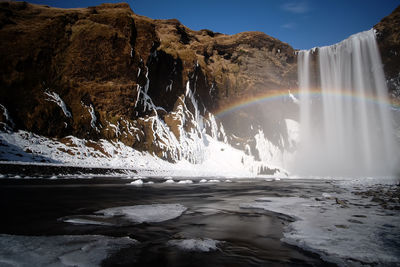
<point>105,72</point>
<point>388,37</point>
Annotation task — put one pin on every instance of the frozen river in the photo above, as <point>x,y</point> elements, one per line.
<point>239,222</point>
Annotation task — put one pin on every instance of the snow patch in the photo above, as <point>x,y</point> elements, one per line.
<point>7,115</point>
<point>54,97</point>
<point>93,117</point>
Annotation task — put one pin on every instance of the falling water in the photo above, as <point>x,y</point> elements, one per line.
<point>345,120</point>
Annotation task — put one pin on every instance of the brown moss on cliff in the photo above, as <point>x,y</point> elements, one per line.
<point>74,52</point>
<point>388,37</point>
<point>101,60</point>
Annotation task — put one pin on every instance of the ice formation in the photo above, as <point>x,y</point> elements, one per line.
<point>69,250</point>
<point>357,232</point>
<point>202,245</point>
<point>54,97</point>
<point>146,213</point>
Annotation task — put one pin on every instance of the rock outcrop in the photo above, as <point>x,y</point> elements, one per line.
<point>388,37</point>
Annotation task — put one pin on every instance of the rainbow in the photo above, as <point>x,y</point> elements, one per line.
<point>281,95</point>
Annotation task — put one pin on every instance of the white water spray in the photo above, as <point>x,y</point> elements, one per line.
<point>346,127</point>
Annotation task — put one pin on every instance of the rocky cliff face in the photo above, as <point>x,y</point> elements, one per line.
<point>388,36</point>
<point>105,72</point>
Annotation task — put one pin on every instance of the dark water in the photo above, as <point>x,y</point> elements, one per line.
<point>251,237</point>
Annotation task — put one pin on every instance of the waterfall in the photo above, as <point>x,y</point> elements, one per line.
<point>345,118</point>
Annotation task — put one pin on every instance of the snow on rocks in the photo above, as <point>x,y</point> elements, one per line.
<point>68,250</point>
<point>7,116</point>
<point>54,97</point>
<point>220,159</point>
<point>146,213</point>
<point>208,156</point>
<point>93,117</point>
<point>201,245</point>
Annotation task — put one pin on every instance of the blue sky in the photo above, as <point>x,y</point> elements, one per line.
<point>303,24</point>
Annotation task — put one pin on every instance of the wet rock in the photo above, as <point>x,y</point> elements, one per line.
<point>342,203</point>
<point>385,196</point>
<point>388,38</point>
<point>355,221</point>
<point>359,216</point>
<point>377,199</point>
<point>388,225</point>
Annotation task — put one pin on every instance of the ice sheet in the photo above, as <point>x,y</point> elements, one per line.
<point>201,245</point>
<point>342,227</point>
<point>69,250</point>
<point>146,213</point>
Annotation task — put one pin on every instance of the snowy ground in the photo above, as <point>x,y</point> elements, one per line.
<point>220,159</point>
